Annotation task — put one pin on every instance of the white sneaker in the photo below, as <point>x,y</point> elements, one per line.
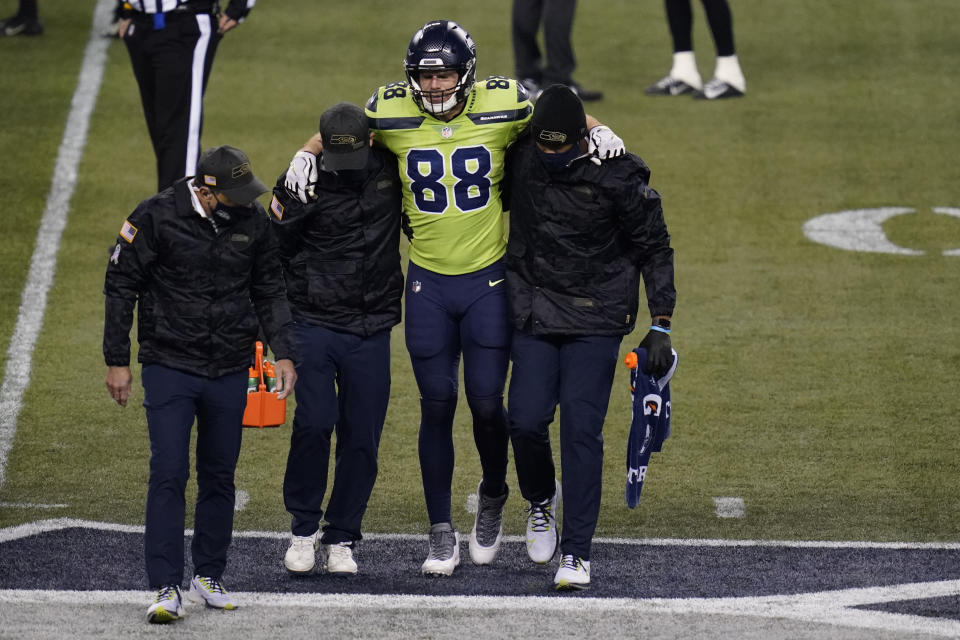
<point>167,607</point>
<point>301,554</point>
<point>487,527</point>
<point>211,592</point>
<point>542,532</point>
<point>339,559</point>
<point>574,573</point>
<point>444,553</point>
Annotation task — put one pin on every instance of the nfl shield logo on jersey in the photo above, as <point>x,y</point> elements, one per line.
<point>416,286</point>
<point>446,132</point>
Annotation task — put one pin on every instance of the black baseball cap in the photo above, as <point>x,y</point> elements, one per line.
<point>346,137</point>
<point>558,118</point>
<point>227,169</point>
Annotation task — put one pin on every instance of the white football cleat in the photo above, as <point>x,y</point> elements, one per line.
<point>444,553</point>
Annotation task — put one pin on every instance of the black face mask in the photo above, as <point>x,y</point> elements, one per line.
<point>558,161</point>
<point>225,212</point>
<point>353,177</point>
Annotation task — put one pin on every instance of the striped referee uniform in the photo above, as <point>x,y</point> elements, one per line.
<point>171,45</point>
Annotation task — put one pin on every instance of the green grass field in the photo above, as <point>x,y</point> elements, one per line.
<point>819,385</point>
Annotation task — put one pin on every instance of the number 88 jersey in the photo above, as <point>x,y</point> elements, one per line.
<point>451,171</point>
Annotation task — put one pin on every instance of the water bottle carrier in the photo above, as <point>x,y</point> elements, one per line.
<point>264,408</point>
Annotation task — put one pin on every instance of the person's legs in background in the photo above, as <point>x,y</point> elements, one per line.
<point>25,22</point>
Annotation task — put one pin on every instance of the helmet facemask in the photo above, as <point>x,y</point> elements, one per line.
<point>452,96</point>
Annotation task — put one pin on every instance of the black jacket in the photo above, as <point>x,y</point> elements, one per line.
<point>199,291</point>
<point>580,240</point>
<point>341,253</point>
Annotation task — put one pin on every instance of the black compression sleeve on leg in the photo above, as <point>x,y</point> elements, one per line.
<point>680,19</point>
<point>721,25</point>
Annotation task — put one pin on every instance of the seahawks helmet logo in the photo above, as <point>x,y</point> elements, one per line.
<point>553,137</point>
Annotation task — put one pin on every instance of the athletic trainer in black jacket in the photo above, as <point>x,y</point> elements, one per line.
<point>200,262</point>
<point>341,262</point>
<point>171,45</point>
<point>581,236</point>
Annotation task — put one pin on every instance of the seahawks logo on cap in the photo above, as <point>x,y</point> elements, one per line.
<point>343,138</point>
<point>240,170</point>
<point>553,137</point>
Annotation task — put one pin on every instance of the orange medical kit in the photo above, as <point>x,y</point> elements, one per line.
<point>264,408</point>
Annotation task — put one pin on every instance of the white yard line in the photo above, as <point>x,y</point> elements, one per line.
<point>55,524</point>
<point>827,607</point>
<point>33,301</point>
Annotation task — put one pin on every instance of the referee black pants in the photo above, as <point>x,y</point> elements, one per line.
<point>557,19</point>
<point>171,65</point>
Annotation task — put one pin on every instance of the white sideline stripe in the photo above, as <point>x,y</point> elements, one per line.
<point>33,300</point>
<point>55,524</point>
<point>31,505</point>
<point>730,507</point>
<point>826,607</point>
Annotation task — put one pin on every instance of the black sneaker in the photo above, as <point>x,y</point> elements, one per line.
<point>669,86</point>
<point>717,89</point>
<point>532,87</point>
<point>19,26</point>
<point>587,95</point>
<point>487,527</point>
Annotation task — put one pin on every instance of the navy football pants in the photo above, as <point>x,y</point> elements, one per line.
<point>575,372</point>
<point>172,399</point>
<point>343,384</point>
<point>447,316</point>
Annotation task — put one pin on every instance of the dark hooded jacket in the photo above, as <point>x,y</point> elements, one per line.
<point>580,240</point>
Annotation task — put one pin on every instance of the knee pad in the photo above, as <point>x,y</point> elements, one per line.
<point>437,414</point>
<point>488,413</point>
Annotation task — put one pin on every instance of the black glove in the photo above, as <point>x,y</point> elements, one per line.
<point>659,355</point>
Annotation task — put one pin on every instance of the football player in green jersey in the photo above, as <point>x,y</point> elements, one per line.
<point>450,134</point>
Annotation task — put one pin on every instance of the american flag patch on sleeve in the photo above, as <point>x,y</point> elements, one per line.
<point>128,232</point>
<point>276,208</point>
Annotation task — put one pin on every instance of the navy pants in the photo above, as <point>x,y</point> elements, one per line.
<point>343,385</point>
<point>575,372</point>
<point>172,400</point>
<point>447,316</point>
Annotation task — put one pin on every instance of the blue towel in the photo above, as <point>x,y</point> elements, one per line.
<point>651,422</point>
